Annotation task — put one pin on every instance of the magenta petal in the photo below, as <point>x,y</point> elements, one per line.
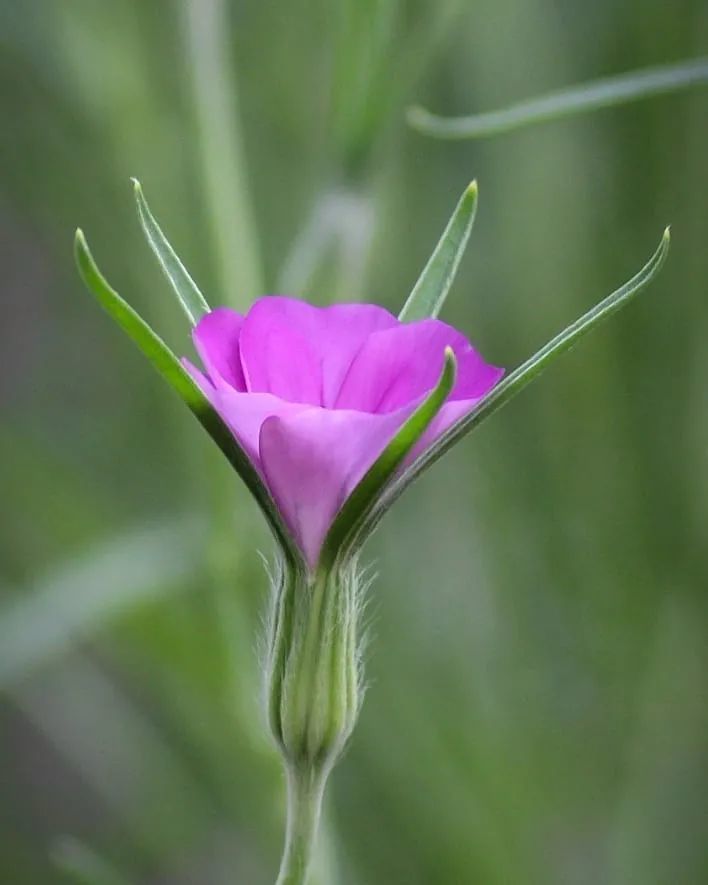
<point>313,460</point>
<point>451,412</point>
<point>216,337</point>
<point>475,377</point>
<point>245,413</point>
<point>200,379</point>
<point>314,395</point>
<point>399,365</point>
<point>277,359</point>
<point>334,335</point>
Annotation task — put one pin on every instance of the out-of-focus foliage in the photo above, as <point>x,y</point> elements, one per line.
<point>594,95</point>
<point>537,668</point>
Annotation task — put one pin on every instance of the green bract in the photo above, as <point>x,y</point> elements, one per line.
<point>429,293</point>
<point>193,302</point>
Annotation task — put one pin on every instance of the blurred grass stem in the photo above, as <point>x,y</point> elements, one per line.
<point>340,225</point>
<point>228,204</point>
<point>604,93</point>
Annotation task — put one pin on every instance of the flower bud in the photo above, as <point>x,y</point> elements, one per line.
<point>313,679</point>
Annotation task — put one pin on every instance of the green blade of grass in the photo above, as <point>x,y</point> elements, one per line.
<point>598,94</point>
<point>430,292</point>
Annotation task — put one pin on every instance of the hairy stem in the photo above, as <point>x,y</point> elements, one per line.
<point>305,792</point>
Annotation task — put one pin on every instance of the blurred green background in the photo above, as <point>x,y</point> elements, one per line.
<point>536,710</point>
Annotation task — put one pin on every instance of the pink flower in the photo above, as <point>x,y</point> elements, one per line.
<point>313,395</point>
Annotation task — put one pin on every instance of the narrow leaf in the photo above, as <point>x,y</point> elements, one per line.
<point>517,380</point>
<point>167,364</point>
<point>193,302</point>
<point>430,292</point>
<point>345,528</point>
<point>592,96</point>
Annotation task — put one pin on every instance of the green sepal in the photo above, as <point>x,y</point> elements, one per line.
<point>514,383</point>
<point>190,298</point>
<point>313,688</point>
<point>429,293</point>
<point>338,544</point>
<point>174,373</point>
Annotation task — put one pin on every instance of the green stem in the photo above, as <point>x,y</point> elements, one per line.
<point>305,792</point>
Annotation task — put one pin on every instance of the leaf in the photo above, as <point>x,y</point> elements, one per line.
<point>193,302</point>
<point>345,528</point>
<point>177,377</point>
<point>605,93</point>
<point>517,380</point>
<point>430,292</point>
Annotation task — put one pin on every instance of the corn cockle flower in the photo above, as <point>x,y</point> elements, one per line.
<point>314,395</point>
<point>328,414</point>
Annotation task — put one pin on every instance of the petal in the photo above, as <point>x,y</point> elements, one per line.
<point>216,337</point>
<point>200,379</point>
<point>334,335</point>
<point>475,377</point>
<point>277,359</point>
<point>398,366</point>
<point>245,413</point>
<point>451,411</point>
<point>313,460</point>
